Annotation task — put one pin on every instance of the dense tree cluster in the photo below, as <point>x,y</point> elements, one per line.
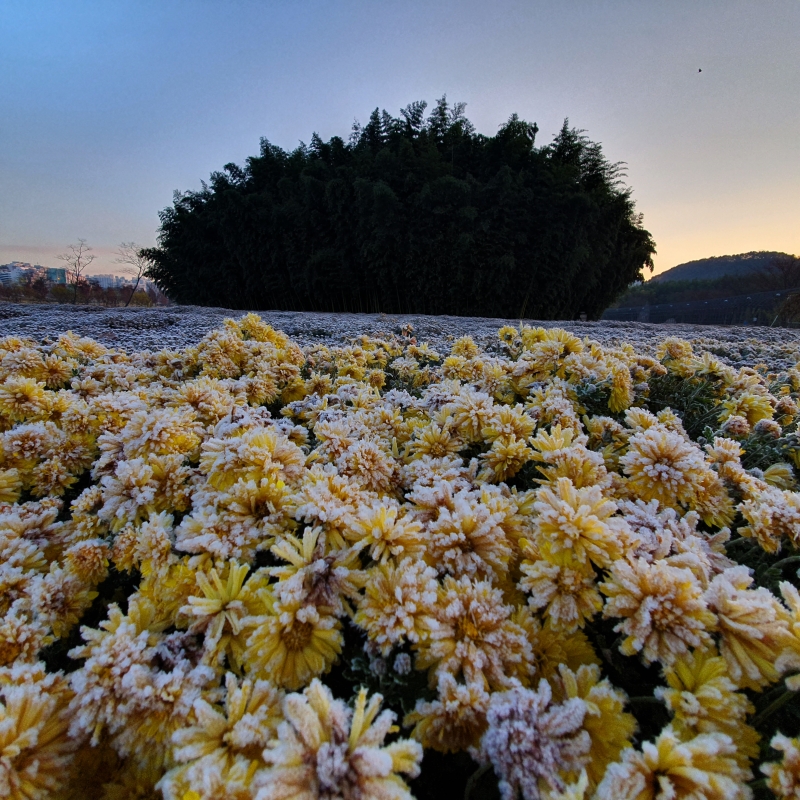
<point>412,214</point>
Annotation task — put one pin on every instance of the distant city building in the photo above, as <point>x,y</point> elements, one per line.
<point>17,271</point>
<point>109,281</point>
<point>20,270</point>
<point>56,274</point>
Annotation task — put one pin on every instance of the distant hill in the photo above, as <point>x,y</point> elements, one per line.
<point>709,269</point>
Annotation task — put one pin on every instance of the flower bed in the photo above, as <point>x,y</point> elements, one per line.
<point>250,570</point>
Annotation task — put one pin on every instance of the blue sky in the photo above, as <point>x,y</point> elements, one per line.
<point>108,107</point>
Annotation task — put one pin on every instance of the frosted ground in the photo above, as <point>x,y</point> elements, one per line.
<point>178,326</point>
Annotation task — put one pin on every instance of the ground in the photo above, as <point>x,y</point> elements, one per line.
<point>178,326</point>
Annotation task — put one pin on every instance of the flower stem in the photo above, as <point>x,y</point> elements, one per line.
<point>645,700</point>
<point>779,703</point>
<point>783,562</point>
<point>737,542</point>
<point>474,778</point>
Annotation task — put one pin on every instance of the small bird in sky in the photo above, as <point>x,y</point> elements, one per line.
<point>699,70</point>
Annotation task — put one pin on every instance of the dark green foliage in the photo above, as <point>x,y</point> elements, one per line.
<point>762,451</point>
<point>695,399</point>
<point>410,215</point>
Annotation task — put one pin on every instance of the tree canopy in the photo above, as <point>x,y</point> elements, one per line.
<point>411,214</point>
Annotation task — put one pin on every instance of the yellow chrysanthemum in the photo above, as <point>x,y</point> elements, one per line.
<point>753,628</point>
<point>474,636</point>
<point>662,609</point>
<point>703,767</point>
<point>433,440</point>
<point>621,395</point>
<point>23,399</point>
<point>223,740</point>
<point>455,720</point>
<point>703,699</point>
<point>504,459</point>
<point>567,593</point>
<point>661,465</point>
<point>323,749</point>
<point>291,644</point>
<point>608,725</point>
<point>753,407</point>
<point>577,525</point>
<point>397,603</point>
<point>673,349</point>
<point>385,532</point>
<point>10,485</point>
<point>314,574</point>
<point>35,746</point>
<point>218,611</point>
<point>783,777</point>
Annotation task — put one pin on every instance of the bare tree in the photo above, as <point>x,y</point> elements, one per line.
<point>131,254</point>
<point>77,258</point>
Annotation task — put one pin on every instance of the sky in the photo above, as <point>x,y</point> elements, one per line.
<point>108,107</point>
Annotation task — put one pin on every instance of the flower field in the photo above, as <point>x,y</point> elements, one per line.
<point>250,570</point>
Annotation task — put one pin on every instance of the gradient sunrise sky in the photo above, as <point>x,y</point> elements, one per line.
<point>108,107</point>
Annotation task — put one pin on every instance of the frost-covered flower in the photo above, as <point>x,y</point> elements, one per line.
<point>736,426</point>
<point>750,405</point>
<point>609,726</point>
<point>36,749</point>
<point>434,440</point>
<point>385,532</point>
<point>291,643</point>
<point>325,750</point>
<point>88,560</point>
<point>471,412</point>
<point>252,453</point>
<point>225,739</point>
<point>10,485</point>
<point>568,594</point>
<point>662,609</point>
<point>455,720</point>
<point>670,769</point>
<point>474,636</point>
<point>134,685</point>
<point>23,399</point>
<point>578,524</point>
<point>771,515</point>
<point>397,603</point>
<point>327,499</point>
<point>217,609</point>
<point>314,575</point>
<point>369,465</point>
<point>662,465</point>
<point>466,537</point>
<point>58,599</point>
<point>783,777</point>
<point>703,699</point>
<point>22,635</point>
<point>752,626</point>
<point>161,432</point>
<point>533,743</point>
<point>789,659</point>
<point>563,454</point>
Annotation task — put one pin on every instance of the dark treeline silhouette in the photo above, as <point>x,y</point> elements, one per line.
<point>412,214</point>
<point>778,273</point>
<point>707,269</point>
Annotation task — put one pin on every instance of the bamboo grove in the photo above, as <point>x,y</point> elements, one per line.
<point>411,214</point>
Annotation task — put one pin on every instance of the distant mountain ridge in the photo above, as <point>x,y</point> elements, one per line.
<point>709,269</point>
